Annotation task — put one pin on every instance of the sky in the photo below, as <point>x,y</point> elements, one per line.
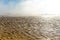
<point>30,7</point>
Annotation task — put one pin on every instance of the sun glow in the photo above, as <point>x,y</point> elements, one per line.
<point>41,7</point>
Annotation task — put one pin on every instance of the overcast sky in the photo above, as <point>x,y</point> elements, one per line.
<point>29,7</point>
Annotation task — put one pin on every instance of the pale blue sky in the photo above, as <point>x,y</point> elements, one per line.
<point>8,6</point>
<point>6,2</point>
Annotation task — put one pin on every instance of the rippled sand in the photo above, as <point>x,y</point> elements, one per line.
<point>29,28</point>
